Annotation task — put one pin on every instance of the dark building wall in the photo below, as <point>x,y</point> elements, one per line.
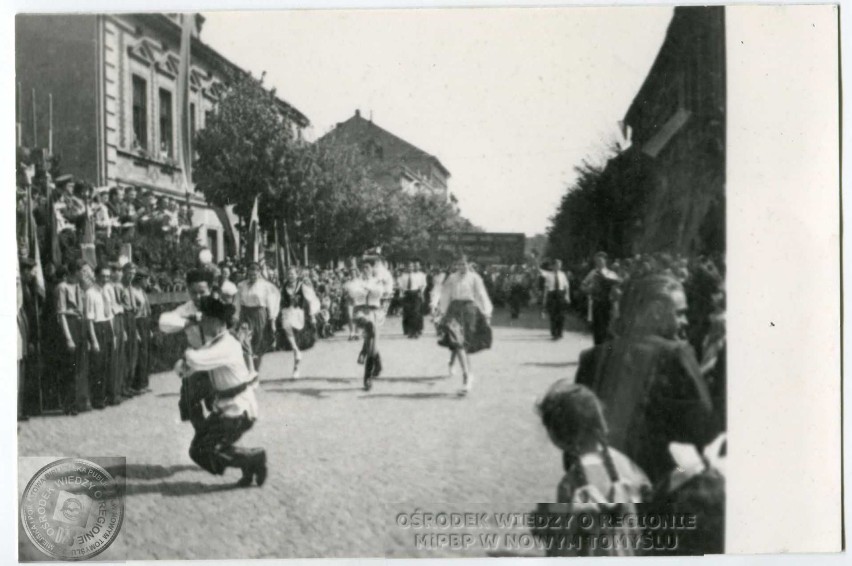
<point>678,120</point>
<point>57,54</point>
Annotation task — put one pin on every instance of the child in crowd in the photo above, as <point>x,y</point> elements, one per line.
<point>598,479</point>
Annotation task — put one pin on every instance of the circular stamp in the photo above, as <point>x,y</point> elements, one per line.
<point>72,509</point>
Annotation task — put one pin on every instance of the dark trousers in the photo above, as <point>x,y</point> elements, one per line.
<point>213,448</point>
<point>143,357</point>
<point>74,368</point>
<point>601,312</point>
<point>115,384</point>
<point>556,306</point>
<point>100,364</point>
<point>131,351</point>
<point>412,318</point>
<point>195,390</point>
<point>517,296</point>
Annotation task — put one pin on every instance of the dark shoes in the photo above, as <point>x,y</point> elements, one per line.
<point>372,369</point>
<point>254,468</point>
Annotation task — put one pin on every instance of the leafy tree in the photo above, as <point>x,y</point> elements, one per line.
<point>246,148</point>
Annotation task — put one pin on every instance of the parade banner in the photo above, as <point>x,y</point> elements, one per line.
<point>504,248</point>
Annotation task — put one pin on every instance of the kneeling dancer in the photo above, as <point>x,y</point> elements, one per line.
<point>235,406</point>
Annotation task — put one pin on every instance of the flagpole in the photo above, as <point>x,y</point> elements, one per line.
<point>32,235</point>
<point>50,124</point>
<point>19,116</point>
<point>35,133</point>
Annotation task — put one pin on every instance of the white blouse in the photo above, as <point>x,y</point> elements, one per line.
<point>365,292</point>
<point>261,294</point>
<point>467,287</point>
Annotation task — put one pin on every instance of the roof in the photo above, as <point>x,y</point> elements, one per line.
<point>167,25</point>
<point>357,121</point>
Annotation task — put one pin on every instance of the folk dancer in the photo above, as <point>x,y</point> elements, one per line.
<point>299,305</point>
<point>257,303</point>
<point>365,296</point>
<point>234,409</point>
<point>465,310</point>
<point>412,284</point>
<point>557,297</point>
<point>196,390</point>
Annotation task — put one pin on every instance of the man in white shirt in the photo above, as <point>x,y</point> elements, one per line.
<point>598,286</point>
<point>234,409</point>
<point>197,388</point>
<point>557,297</point>
<point>99,324</point>
<point>411,285</point>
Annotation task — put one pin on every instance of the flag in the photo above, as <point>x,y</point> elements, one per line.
<point>184,118</point>
<point>185,128</point>
<point>87,245</point>
<point>53,236</point>
<point>35,253</point>
<point>253,240</point>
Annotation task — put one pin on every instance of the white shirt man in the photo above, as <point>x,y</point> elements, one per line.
<point>412,281</point>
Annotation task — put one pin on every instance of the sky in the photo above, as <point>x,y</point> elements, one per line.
<point>509,100</point>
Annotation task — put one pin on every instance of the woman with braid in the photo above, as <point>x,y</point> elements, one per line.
<point>598,478</point>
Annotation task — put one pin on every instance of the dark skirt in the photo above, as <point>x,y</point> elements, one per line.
<point>465,327</point>
<point>306,337</point>
<point>257,320</point>
<point>412,317</point>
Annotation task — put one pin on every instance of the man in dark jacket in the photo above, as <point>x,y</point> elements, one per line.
<point>648,378</point>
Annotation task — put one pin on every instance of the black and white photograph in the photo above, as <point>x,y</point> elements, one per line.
<point>408,283</point>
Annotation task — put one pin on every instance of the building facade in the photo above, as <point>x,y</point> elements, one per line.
<point>393,162</point>
<point>676,163</point>
<point>112,79</point>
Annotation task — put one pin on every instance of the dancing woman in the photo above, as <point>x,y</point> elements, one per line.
<point>365,296</point>
<point>299,304</point>
<point>465,325</point>
<point>257,306</point>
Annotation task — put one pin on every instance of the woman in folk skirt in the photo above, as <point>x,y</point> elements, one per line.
<point>299,304</point>
<point>465,309</point>
<point>257,303</point>
<point>365,295</point>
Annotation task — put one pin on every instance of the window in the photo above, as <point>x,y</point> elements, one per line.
<point>166,134</point>
<point>192,121</point>
<point>213,243</point>
<point>140,112</point>
<point>208,115</point>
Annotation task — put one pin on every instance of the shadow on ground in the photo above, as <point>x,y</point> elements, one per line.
<point>411,396</point>
<point>178,489</point>
<point>550,364</point>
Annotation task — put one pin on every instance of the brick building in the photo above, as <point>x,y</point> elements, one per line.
<point>393,162</point>
<point>675,167</point>
<point>113,81</point>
